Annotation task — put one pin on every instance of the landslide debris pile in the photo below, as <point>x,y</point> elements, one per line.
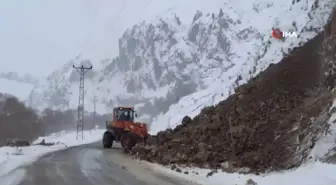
<point>269,123</point>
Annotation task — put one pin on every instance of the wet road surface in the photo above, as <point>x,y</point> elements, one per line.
<point>91,165</point>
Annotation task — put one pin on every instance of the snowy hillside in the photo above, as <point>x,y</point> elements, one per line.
<point>163,61</point>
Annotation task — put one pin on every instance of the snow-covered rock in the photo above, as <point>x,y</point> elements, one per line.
<point>172,68</point>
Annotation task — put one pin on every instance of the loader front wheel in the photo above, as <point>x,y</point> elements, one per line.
<point>107,139</point>
<point>128,142</point>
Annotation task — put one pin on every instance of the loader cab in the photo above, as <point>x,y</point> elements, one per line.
<point>124,114</point>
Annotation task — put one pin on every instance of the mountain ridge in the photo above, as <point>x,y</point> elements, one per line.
<point>164,62</point>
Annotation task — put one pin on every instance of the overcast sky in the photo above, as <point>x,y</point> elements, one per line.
<point>38,36</point>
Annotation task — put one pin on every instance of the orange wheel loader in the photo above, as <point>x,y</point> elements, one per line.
<point>123,129</point>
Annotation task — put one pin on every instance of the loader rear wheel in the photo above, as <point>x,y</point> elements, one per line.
<point>107,139</point>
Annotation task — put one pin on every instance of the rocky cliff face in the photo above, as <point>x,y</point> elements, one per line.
<point>163,61</point>
<point>271,123</point>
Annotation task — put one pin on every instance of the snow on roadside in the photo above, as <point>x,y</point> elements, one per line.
<point>12,158</point>
<point>310,174</point>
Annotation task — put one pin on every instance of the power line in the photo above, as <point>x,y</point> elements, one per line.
<point>124,7</point>
<point>112,25</point>
<point>149,2</point>
<point>119,15</point>
<point>80,116</point>
<point>88,39</point>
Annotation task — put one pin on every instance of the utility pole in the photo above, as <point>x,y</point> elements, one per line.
<point>30,99</point>
<point>94,111</point>
<point>80,117</point>
<point>32,93</point>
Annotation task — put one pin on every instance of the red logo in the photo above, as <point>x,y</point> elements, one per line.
<point>276,33</point>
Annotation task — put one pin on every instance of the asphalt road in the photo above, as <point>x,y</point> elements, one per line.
<point>91,165</point>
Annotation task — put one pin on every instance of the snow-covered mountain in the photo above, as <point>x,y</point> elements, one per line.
<point>169,68</point>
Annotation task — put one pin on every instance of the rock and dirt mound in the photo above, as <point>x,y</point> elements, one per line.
<point>270,123</point>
